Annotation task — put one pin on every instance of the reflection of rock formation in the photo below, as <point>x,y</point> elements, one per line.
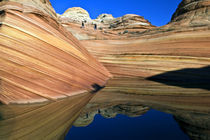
<point>108,111</point>
<point>129,96</point>
<point>39,59</point>
<point>40,121</point>
<point>195,125</point>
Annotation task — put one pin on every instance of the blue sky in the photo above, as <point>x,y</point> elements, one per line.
<point>158,12</point>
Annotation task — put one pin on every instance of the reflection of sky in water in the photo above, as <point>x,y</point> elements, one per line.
<point>153,125</point>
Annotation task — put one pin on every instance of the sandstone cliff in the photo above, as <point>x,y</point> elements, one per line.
<point>37,5</point>
<point>193,13</point>
<point>190,15</point>
<point>39,59</point>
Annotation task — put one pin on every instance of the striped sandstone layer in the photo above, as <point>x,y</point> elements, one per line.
<point>178,51</point>
<point>40,60</point>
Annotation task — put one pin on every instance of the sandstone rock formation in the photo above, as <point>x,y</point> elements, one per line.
<point>174,47</point>
<point>75,15</point>
<point>105,18</point>
<point>130,22</point>
<point>37,5</point>
<point>193,13</point>
<point>39,59</point>
<point>108,26</point>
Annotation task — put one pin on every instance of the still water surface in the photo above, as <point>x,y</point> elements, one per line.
<point>153,125</point>
<point>127,109</point>
<point>131,109</point>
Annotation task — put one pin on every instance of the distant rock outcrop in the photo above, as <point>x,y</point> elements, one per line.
<point>193,13</point>
<point>108,26</point>
<point>75,15</point>
<point>104,18</point>
<point>190,15</point>
<point>130,23</point>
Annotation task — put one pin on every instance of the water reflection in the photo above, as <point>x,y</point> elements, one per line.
<point>46,121</point>
<point>133,97</point>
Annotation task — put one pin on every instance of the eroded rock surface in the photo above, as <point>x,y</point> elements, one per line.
<point>39,59</point>
<point>193,13</point>
<point>39,5</point>
<point>75,15</point>
<point>176,47</point>
<point>108,27</point>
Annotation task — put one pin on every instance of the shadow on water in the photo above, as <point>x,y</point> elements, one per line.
<point>186,78</point>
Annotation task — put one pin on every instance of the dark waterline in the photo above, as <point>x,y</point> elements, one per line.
<point>153,125</point>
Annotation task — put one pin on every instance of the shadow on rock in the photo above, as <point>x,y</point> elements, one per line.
<point>186,78</point>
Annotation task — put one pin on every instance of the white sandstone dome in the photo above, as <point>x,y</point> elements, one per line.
<point>76,14</point>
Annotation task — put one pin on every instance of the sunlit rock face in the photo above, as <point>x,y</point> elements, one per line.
<point>39,59</point>
<point>75,15</point>
<point>130,22</point>
<point>193,13</point>
<point>108,27</point>
<point>41,5</point>
<point>177,47</point>
<point>105,18</point>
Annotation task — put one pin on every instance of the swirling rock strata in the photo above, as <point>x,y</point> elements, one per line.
<point>193,12</point>
<point>191,15</point>
<point>39,59</point>
<point>177,47</point>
